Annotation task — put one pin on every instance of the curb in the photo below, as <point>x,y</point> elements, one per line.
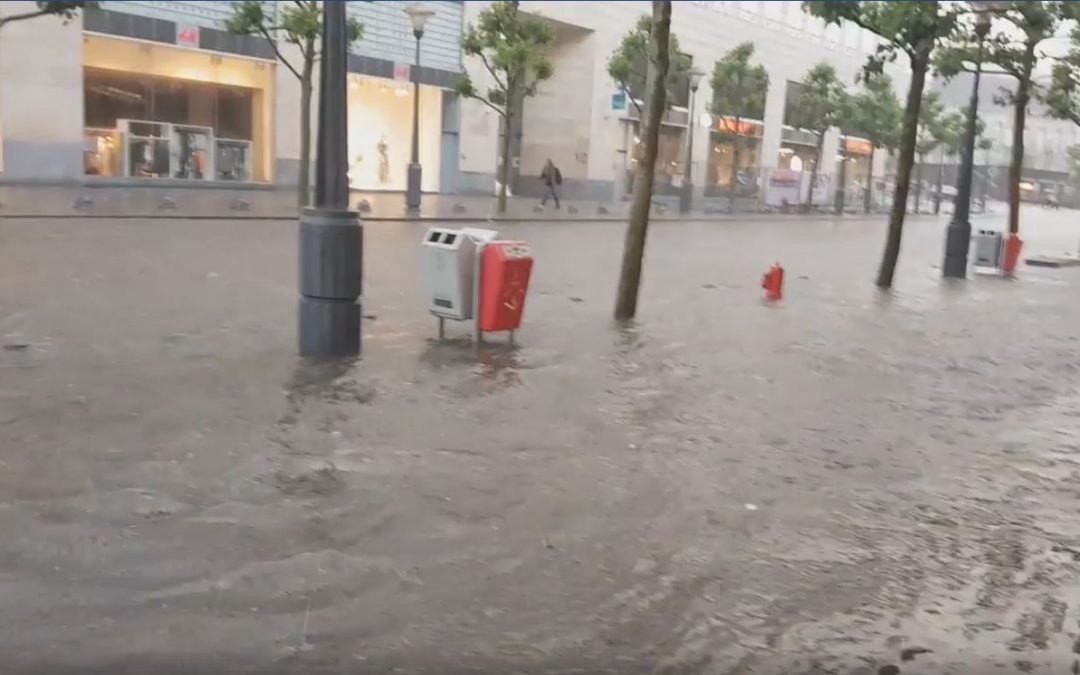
<point>442,219</point>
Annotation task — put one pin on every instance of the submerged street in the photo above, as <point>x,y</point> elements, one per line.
<point>845,482</point>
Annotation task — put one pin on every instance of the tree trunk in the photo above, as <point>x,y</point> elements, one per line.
<point>814,173</point>
<point>303,185</point>
<point>868,193</point>
<point>919,65</point>
<point>734,168</point>
<point>1016,167</point>
<point>841,182</point>
<point>634,248</point>
<point>918,184</point>
<point>504,169</point>
<point>940,181</point>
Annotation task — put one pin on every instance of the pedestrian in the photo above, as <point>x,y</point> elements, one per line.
<point>552,178</point>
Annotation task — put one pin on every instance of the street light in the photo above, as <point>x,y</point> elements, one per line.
<point>331,237</point>
<point>686,197</point>
<point>958,234</point>
<point>418,15</point>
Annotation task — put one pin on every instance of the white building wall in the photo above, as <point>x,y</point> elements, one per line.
<point>788,43</point>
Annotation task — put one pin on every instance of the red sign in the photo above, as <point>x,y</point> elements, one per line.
<point>187,36</point>
<point>402,72</point>
<point>743,128</point>
<point>505,270</point>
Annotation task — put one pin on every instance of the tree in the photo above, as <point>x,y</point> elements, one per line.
<point>628,65</point>
<point>65,9</point>
<point>739,90</point>
<point>950,134</point>
<point>985,144</point>
<point>875,113</point>
<point>912,29</point>
<point>510,44</point>
<point>659,64</point>
<point>1034,22</point>
<point>300,24</point>
<point>819,106</point>
<point>928,138</point>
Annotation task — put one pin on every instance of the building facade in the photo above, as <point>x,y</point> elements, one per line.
<point>153,92</point>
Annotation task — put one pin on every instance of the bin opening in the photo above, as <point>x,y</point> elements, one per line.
<point>439,302</point>
<point>450,237</point>
<point>434,237</point>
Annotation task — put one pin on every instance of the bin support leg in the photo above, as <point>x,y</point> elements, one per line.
<point>442,329</point>
<point>512,334</point>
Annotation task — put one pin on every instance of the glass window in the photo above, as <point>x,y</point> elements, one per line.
<point>174,128</point>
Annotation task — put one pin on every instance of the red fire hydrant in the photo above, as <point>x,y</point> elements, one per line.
<point>1012,254</point>
<point>773,283</point>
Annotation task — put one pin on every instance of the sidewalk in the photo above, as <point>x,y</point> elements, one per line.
<point>25,201</point>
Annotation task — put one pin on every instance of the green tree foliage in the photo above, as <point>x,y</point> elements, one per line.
<point>628,66</point>
<point>298,23</point>
<point>913,29</point>
<point>64,9</point>
<point>659,55</point>
<point>510,44</point>
<point>1012,51</point>
<point>874,113</point>
<point>820,104</point>
<point>739,88</point>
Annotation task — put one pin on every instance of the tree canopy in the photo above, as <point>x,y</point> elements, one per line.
<point>510,44</point>
<point>875,112</point>
<point>628,65</point>
<point>738,85</point>
<point>821,100</point>
<point>64,9</point>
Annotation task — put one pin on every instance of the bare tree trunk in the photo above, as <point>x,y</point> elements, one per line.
<point>303,186</point>
<point>504,170</point>
<point>637,228</point>
<point>918,184</point>
<point>919,65</point>
<point>814,172</point>
<point>1016,167</point>
<point>940,182</point>
<point>868,193</point>
<point>734,168</point>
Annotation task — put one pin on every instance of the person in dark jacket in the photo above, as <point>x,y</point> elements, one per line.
<point>552,178</point>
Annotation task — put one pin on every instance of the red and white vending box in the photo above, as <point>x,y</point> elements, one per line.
<point>505,270</point>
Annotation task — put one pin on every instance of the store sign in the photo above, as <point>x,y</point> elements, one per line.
<point>740,127</point>
<point>782,188</point>
<point>402,72</point>
<point>187,35</point>
<point>618,100</point>
<point>857,146</point>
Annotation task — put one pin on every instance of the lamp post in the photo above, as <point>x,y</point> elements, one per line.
<point>331,236</point>
<point>686,197</point>
<point>958,234</point>
<point>418,15</point>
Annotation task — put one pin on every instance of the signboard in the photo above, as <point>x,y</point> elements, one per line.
<point>857,146</point>
<point>402,72</point>
<point>618,100</point>
<point>782,188</point>
<point>187,35</point>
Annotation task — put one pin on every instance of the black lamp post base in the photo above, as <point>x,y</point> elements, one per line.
<point>331,256</point>
<point>957,244</point>
<point>412,189</point>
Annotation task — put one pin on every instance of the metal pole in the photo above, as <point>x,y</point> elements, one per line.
<point>331,236</point>
<point>686,197</point>
<point>958,235</point>
<point>412,192</point>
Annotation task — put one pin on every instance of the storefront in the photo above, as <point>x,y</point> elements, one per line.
<point>720,167</point>
<point>380,133</point>
<point>853,164</point>
<point>154,111</point>
<point>670,157</point>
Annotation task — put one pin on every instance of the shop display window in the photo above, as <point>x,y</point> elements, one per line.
<point>148,126</point>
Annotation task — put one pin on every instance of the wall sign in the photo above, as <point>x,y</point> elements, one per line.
<point>187,35</point>
<point>618,100</point>
<point>402,72</point>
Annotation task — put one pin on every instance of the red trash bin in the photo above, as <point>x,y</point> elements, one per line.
<point>504,280</point>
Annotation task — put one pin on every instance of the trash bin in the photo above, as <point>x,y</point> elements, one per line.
<point>450,270</point>
<point>988,249</point>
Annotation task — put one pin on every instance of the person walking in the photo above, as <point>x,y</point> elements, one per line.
<point>552,178</point>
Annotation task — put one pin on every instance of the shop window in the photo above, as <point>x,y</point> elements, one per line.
<point>669,159</point>
<point>150,126</point>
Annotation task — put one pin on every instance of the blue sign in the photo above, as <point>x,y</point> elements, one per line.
<point>618,100</point>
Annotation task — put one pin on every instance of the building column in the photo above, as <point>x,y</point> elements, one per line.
<point>774,121</point>
<point>829,151</point>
